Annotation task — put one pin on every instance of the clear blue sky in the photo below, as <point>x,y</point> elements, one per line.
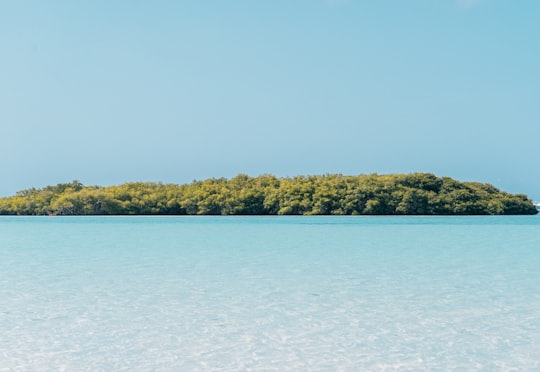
<point>113,91</point>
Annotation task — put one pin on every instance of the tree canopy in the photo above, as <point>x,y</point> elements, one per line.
<point>331,194</point>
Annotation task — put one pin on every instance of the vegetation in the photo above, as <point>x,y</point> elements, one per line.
<point>401,194</point>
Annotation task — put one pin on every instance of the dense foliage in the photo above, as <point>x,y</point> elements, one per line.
<point>401,194</point>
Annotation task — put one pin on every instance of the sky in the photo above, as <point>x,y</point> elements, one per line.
<point>108,92</point>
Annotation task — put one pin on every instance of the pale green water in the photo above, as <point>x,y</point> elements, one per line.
<point>269,293</point>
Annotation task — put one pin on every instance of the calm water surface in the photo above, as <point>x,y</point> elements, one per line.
<point>269,293</point>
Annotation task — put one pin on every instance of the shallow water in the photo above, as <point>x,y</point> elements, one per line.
<point>269,293</point>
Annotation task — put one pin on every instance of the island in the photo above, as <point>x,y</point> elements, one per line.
<point>330,194</point>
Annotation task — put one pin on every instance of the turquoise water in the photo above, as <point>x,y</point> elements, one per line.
<point>269,293</point>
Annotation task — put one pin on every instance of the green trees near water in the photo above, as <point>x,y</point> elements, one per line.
<point>400,194</point>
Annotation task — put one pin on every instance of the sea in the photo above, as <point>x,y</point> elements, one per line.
<point>270,293</point>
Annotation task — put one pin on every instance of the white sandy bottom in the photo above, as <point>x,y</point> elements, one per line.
<point>307,298</point>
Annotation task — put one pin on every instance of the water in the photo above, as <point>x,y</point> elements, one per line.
<point>269,293</point>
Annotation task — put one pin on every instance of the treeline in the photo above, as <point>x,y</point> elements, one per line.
<point>401,194</point>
